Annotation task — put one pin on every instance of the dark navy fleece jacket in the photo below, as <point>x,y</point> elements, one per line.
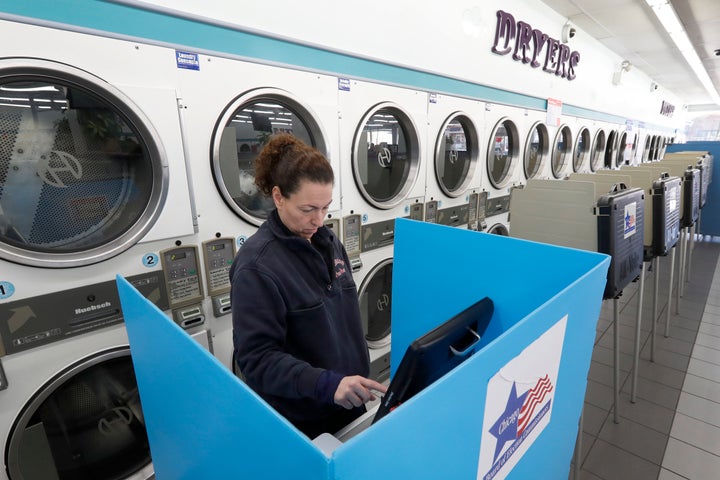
<point>296,323</point>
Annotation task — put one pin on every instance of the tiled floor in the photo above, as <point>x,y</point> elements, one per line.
<point>672,431</point>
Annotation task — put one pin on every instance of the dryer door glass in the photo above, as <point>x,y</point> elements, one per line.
<point>375,304</point>
<point>385,162</point>
<point>611,149</point>
<point>647,148</point>
<point>245,128</point>
<point>622,147</point>
<point>76,171</point>
<point>597,151</point>
<point>502,152</point>
<point>581,149</point>
<point>456,155</point>
<point>561,151</point>
<point>85,424</point>
<point>535,150</point>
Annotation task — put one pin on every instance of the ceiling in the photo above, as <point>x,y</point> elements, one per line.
<point>631,29</point>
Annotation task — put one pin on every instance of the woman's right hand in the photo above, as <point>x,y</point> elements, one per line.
<point>355,391</point>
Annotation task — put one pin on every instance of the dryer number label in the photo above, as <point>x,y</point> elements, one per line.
<point>150,260</point>
<point>7,290</point>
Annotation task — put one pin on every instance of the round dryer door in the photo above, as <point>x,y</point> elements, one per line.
<point>499,229</point>
<point>84,424</point>
<point>611,149</point>
<point>456,155</point>
<point>597,150</point>
<point>536,149</point>
<point>83,175</point>
<point>502,153</point>
<point>386,156</point>
<point>244,128</point>
<point>375,304</point>
<point>561,151</point>
<point>582,144</point>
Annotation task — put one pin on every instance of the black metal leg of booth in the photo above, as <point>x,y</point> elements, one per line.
<point>672,273</point>
<point>681,269</point>
<point>638,322</point>
<point>656,272</point>
<point>690,252</point>
<point>616,360</point>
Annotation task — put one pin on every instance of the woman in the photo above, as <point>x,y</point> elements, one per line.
<point>297,331</point>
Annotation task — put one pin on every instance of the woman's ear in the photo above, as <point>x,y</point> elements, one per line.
<point>277,196</point>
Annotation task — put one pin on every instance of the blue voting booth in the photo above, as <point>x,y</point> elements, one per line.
<point>510,411</point>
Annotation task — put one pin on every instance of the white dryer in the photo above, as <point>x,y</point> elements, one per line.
<point>505,134</point>
<point>453,169</point>
<point>93,182</point>
<point>230,108</point>
<point>383,132</point>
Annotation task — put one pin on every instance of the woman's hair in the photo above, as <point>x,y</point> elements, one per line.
<point>285,161</point>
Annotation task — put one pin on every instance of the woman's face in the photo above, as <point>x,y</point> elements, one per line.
<point>304,211</point>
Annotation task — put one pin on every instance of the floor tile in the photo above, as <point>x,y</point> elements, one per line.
<point>655,372</point>
<point>671,359</point>
<point>706,354</point>
<point>713,307</point>
<point>696,433</point>
<point>702,387</point>
<point>708,341</point>
<point>593,418</point>
<point>699,408</point>
<point>646,413</point>
<point>704,369</point>
<point>654,393</point>
<point>668,475</point>
<point>599,395</point>
<point>612,463</point>
<point>710,329</point>
<point>690,462</point>
<point>606,356</point>
<point>635,438</point>
<point>671,344</point>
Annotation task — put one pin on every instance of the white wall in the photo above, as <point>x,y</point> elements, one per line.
<point>453,38</point>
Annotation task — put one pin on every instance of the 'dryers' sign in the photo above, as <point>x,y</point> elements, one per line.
<point>529,45</point>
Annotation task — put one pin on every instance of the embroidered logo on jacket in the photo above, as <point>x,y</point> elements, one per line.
<point>340,268</point>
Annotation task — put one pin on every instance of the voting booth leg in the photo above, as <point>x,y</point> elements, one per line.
<point>667,313</point>
<point>681,257</point>
<point>638,322</point>
<point>656,272</point>
<point>616,360</point>
<point>690,252</point>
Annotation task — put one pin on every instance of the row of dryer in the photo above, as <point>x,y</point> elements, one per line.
<point>118,157</point>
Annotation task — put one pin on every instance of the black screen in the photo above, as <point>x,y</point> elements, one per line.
<point>435,353</point>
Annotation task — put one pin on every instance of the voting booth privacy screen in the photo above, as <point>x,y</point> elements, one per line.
<point>508,411</point>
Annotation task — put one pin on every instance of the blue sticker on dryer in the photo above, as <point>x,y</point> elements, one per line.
<point>187,60</point>
<point>7,290</point>
<point>151,260</point>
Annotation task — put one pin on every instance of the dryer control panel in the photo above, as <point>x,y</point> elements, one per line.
<point>182,276</point>
<point>219,254</point>
<point>351,240</point>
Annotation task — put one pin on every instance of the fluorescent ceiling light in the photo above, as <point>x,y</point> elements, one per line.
<point>666,14</point>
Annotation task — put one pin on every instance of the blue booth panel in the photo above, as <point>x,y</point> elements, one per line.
<point>509,411</point>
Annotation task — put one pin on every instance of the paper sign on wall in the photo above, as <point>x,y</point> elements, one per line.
<point>519,403</point>
<point>554,112</point>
